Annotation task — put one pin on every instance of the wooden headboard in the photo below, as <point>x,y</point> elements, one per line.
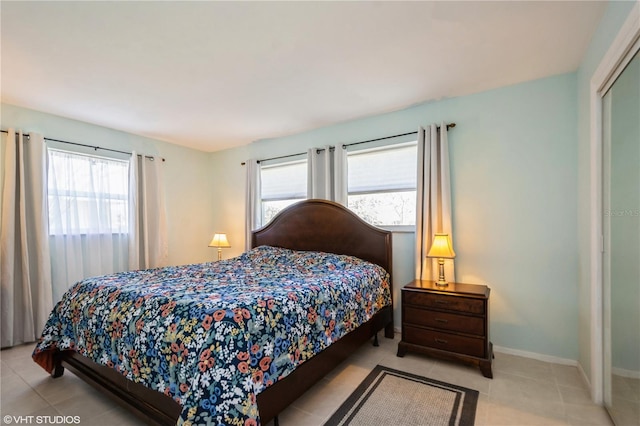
<point>321,225</point>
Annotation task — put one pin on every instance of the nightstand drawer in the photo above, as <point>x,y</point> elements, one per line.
<point>444,321</point>
<point>438,301</point>
<point>444,341</point>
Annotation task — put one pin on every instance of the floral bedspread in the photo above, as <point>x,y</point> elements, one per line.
<point>214,335</point>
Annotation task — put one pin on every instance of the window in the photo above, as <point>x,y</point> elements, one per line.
<point>382,184</point>
<point>282,185</point>
<point>87,194</point>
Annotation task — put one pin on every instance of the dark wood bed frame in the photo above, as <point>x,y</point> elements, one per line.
<point>316,225</point>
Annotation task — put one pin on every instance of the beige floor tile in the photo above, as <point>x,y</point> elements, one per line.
<point>587,414</point>
<point>325,398</point>
<point>411,363</point>
<point>523,391</point>
<point>537,397</point>
<point>294,416</point>
<point>521,366</point>
<point>634,384</point>
<point>509,386</point>
<point>571,395</point>
<point>57,390</point>
<point>482,410</point>
<point>462,375</point>
<point>567,375</point>
<point>26,368</point>
<point>626,388</point>
<point>92,404</point>
<point>349,374</point>
<point>117,416</point>
<point>22,402</point>
<point>5,370</point>
<point>12,384</point>
<point>20,351</point>
<point>500,414</point>
<point>625,412</point>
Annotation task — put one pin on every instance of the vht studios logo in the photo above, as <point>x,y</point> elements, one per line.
<point>41,420</point>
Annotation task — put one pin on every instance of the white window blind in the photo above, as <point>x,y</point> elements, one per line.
<point>382,184</point>
<point>87,194</point>
<point>389,169</point>
<point>284,181</point>
<point>282,185</point>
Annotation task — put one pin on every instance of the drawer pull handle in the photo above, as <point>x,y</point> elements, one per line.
<point>443,321</point>
<point>441,341</point>
<point>442,302</point>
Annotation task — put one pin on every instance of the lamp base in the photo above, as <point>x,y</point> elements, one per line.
<point>441,282</point>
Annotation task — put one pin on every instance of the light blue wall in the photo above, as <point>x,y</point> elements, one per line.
<point>514,170</point>
<point>608,28</point>
<point>187,176</point>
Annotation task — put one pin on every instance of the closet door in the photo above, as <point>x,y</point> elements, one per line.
<point>621,261</point>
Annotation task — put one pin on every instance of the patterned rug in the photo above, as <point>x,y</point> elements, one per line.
<point>392,397</point>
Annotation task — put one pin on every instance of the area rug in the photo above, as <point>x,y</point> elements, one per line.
<point>392,397</point>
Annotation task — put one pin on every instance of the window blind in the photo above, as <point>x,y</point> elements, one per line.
<point>391,169</point>
<point>284,181</point>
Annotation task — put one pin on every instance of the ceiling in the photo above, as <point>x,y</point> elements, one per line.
<point>214,75</point>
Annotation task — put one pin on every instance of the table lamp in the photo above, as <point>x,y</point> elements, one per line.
<point>441,249</point>
<point>220,241</point>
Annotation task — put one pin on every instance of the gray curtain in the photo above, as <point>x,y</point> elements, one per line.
<point>253,214</point>
<point>148,236</point>
<point>24,240</point>
<point>433,199</point>
<point>327,174</point>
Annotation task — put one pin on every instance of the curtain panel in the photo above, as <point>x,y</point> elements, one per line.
<point>340,175</point>
<point>26,296</point>
<point>319,173</point>
<point>327,174</point>
<point>148,237</point>
<point>433,199</point>
<point>253,207</point>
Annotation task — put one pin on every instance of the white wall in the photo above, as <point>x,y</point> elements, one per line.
<point>187,175</point>
<point>514,171</point>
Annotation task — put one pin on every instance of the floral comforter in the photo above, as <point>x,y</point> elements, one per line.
<point>214,335</point>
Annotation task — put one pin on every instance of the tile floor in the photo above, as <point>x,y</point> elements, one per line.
<point>523,391</point>
<point>626,400</point>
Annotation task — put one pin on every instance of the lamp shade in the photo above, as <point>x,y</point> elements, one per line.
<point>220,241</point>
<point>441,247</point>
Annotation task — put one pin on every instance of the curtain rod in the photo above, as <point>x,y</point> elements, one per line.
<point>449,126</point>
<point>87,146</point>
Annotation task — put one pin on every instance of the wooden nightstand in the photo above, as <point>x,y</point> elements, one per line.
<point>450,322</point>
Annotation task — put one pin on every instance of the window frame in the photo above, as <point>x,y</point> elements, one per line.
<point>297,159</point>
<point>90,155</point>
<point>386,147</point>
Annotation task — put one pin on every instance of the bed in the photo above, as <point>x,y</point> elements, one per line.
<point>309,226</point>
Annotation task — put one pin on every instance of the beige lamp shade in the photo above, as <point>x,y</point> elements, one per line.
<point>220,241</point>
<point>441,247</point>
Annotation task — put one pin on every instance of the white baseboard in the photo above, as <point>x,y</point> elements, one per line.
<point>626,373</point>
<point>535,355</point>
